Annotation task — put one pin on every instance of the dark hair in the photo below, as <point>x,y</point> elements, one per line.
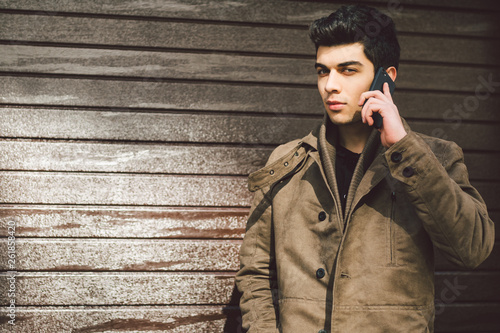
<point>359,24</point>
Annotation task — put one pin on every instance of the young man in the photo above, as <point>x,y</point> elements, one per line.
<point>341,231</point>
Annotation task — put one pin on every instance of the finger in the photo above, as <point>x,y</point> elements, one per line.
<point>387,91</point>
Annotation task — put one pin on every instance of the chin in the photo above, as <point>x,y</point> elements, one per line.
<point>340,119</point>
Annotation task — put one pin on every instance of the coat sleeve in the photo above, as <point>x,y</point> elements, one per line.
<point>256,279</point>
<point>451,210</point>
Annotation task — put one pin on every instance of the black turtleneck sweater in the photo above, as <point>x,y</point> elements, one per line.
<point>345,163</point>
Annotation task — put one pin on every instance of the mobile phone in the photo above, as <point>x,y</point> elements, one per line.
<point>378,83</point>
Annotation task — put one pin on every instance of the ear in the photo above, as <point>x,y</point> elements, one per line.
<point>393,72</point>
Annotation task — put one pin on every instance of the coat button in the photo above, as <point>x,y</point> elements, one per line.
<point>322,216</point>
<point>320,273</point>
<point>408,172</point>
<point>396,157</point>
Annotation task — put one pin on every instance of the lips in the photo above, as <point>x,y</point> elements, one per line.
<point>335,105</point>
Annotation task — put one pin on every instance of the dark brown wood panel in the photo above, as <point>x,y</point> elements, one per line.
<point>160,288</point>
<point>222,67</point>
<point>120,288</point>
<point>455,108</point>
<point>217,37</point>
<point>456,318</point>
<point>148,190</point>
<point>154,126</point>
<point>220,128</point>
<point>77,254</point>
<point>407,19</point>
<point>120,222</point>
<point>172,319</point>
<point>134,157</point>
<point>167,158</point>
<point>123,189</point>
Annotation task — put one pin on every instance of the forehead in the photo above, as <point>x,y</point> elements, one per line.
<point>333,55</point>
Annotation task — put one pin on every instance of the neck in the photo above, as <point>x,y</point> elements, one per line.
<point>354,136</point>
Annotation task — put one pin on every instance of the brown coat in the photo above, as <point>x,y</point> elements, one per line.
<point>305,268</point>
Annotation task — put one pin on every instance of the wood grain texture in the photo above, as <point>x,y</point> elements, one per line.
<point>161,288</point>
<point>120,222</point>
<point>220,37</point>
<point>455,108</point>
<point>218,67</point>
<point>77,254</point>
<point>219,128</point>
<point>17,155</point>
<point>172,319</point>
<point>133,157</point>
<point>116,189</point>
<point>149,190</point>
<point>153,126</point>
<point>120,288</point>
<point>407,19</point>
<point>455,317</point>
<point>45,254</point>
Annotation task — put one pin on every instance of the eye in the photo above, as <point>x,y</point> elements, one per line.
<point>322,71</point>
<point>349,70</point>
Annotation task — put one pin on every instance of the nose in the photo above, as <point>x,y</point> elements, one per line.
<point>333,83</point>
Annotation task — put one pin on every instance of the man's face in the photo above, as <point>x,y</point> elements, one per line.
<point>344,72</point>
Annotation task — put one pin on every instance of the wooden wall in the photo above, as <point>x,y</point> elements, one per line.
<point>127,130</point>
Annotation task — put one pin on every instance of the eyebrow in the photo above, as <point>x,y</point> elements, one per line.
<point>342,64</point>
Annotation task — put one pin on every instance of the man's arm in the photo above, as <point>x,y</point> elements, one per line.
<point>452,211</point>
<point>256,278</point>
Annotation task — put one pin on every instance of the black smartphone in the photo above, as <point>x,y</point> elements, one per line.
<point>378,83</point>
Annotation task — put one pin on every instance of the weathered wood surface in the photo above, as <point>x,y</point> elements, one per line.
<point>132,222</point>
<point>137,157</point>
<point>455,317</point>
<point>217,67</point>
<point>123,189</point>
<point>119,222</point>
<point>149,190</point>
<point>214,128</point>
<point>79,254</point>
<point>17,155</point>
<point>406,17</point>
<point>179,319</point>
<point>218,37</point>
<point>194,288</point>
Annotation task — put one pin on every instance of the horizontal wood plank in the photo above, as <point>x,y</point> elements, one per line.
<point>148,288</point>
<point>130,222</point>
<point>172,319</point>
<point>454,108</point>
<point>218,67</point>
<point>115,189</point>
<point>119,288</point>
<point>152,126</point>
<point>166,158</point>
<point>134,158</point>
<point>457,318</point>
<point>219,128</point>
<point>77,254</point>
<point>122,255</point>
<point>149,190</point>
<point>407,19</point>
<point>219,37</point>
